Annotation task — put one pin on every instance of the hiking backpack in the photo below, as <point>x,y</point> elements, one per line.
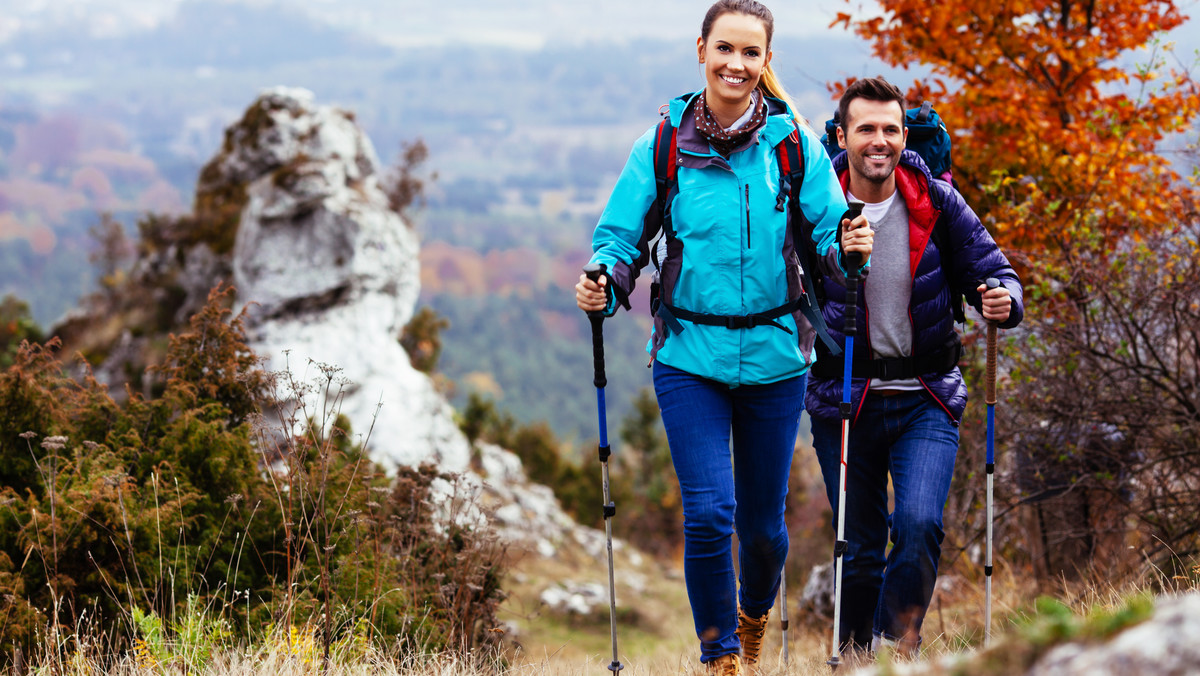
<point>790,156</point>
<point>927,136</point>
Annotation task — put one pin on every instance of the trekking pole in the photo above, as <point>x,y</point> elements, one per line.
<point>839,545</point>
<point>593,272</point>
<point>783,612</point>
<point>990,398</point>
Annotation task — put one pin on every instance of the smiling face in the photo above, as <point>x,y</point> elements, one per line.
<point>873,135</point>
<point>734,56</point>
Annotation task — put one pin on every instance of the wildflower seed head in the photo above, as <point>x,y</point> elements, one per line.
<point>27,435</point>
<point>54,443</point>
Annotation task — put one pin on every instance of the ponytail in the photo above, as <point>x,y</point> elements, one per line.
<point>770,85</point>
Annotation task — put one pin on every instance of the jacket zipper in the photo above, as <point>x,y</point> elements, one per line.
<point>747,215</point>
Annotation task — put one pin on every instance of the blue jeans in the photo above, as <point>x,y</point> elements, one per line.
<point>701,418</point>
<point>913,439</point>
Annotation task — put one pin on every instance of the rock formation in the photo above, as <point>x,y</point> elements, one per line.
<point>292,213</point>
<point>328,272</point>
<point>1168,642</point>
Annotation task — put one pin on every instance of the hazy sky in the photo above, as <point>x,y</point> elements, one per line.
<point>535,22</point>
<point>529,23</point>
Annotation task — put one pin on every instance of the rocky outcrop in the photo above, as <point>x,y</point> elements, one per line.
<point>328,275</point>
<point>291,211</point>
<point>1166,643</point>
<point>817,595</point>
<point>328,272</point>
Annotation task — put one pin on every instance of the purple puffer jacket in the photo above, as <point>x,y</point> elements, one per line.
<point>975,257</point>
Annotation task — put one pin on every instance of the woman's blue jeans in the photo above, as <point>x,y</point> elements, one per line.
<point>914,440</point>
<point>702,417</point>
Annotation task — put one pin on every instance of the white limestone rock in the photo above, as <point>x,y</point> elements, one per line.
<point>329,273</point>
<point>572,598</point>
<point>817,596</point>
<point>1167,643</point>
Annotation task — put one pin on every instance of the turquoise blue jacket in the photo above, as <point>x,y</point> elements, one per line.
<point>729,247</point>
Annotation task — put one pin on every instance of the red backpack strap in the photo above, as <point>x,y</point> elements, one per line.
<point>664,154</point>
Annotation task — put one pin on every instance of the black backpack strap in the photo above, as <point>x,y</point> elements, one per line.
<point>941,360</point>
<point>737,321</point>
<point>791,178</point>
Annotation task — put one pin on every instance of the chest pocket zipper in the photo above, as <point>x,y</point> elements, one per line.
<point>747,215</point>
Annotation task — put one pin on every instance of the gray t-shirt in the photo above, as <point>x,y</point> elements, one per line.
<point>888,288</point>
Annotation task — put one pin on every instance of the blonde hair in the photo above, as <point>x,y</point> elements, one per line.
<point>771,86</point>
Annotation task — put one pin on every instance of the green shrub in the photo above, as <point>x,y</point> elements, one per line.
<point>234,500</point>
<point>422,339</point>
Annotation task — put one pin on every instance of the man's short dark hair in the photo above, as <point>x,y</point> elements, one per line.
<point>871,89</point>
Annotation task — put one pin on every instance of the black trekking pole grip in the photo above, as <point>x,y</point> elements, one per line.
<point>853,262</point>
<point>990,374</point>
<point>594,271</point>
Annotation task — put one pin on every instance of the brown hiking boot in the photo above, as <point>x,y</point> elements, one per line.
<point>750,632</point>
<point>726,665</point>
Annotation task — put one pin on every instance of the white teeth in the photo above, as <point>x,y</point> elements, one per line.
<point>733,80</point>
<point>877,157</point>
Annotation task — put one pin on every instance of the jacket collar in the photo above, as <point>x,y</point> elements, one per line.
<point>912,177</point>
<point>780,123</point>
<point>913,182</point>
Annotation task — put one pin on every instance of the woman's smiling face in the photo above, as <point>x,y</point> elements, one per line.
<point>734,57</point>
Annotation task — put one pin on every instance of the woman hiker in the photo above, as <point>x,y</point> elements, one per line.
<point>731,346</point>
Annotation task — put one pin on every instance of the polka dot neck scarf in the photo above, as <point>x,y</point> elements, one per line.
<point>725,140</point>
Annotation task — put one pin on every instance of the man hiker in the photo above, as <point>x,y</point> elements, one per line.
<point>907,393</point>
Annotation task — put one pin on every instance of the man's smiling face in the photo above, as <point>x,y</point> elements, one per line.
<point>873,135</point>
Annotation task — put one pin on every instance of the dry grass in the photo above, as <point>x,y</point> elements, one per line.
<point>655,635</point>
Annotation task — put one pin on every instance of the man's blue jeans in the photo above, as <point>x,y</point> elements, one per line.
<point>913,439</point>
<point>701,418</point>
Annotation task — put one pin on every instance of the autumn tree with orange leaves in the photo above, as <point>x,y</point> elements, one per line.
<point>1059,110</point>
<point>1055,136</point>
